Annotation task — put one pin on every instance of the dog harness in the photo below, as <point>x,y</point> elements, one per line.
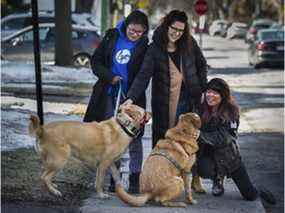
<point>163,152</point>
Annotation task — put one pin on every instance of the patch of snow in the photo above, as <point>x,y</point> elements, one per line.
<point>24,73</point>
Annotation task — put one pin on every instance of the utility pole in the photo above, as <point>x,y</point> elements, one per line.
<point>104,15</point>
<point>37,60</point>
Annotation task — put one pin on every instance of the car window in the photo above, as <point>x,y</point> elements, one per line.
<point>75,34</point>
<point>17,23</point>
<point>46,19</point>
<point>277,35</point>
<point>28,36</point>
<point>50,36</point>
<point>262,26</point>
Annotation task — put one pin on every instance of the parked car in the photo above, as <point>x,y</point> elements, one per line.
<point>276,25</point>
<point>237,30</point>
<point>14,22</point>
<point>267,49</point>
<point>255,26</point>
<point>218,27</point>
<point>19,46</point>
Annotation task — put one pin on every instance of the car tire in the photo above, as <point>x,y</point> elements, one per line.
<point>81,60</point>
<point>257,66</point>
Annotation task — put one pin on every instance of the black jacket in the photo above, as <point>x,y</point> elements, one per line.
<point>156,66</point>
<point>222,139</point>
<point>101,63</point>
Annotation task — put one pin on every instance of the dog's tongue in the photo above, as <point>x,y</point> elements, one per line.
<point>143,121</point>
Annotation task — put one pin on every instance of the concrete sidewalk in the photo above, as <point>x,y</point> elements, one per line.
<point>230,202</point>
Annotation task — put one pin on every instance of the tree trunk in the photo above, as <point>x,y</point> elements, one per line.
<point>63,42</point>
<point>83,6</point>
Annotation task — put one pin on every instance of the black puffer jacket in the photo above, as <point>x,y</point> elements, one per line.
<point>101,63</point>
<point>222,139</point>
<point>156,66</point>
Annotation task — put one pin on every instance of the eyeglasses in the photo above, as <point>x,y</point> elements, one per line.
<point>177,29</point>
<point>137,32</point>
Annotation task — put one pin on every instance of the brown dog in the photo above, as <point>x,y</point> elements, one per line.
<point>97,144</point>
<point>165,173</point>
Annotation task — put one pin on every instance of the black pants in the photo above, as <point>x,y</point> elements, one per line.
<point>242,181</point>
<point>206,168</point>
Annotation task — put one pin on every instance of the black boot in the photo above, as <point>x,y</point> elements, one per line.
<point>218,186</point>
<point>112,185</point>
<point>134,187</point>
<point>112,181</point>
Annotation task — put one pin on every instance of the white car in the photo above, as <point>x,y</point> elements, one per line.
<point>15,22</point>
<point>237,30</point>
<point>218,27</point>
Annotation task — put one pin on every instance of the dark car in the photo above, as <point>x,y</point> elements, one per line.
<point>267,49</point>
<point>15,22</point>
<point>19,46</point>
<point>257,25</point>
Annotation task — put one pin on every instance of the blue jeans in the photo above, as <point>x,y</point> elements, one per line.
<point>135,147</point>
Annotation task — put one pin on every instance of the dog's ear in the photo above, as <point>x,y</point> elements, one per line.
<point>191,118</point>
<point>196,120</point>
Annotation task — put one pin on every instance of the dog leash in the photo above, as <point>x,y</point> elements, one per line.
<point>118,99</point>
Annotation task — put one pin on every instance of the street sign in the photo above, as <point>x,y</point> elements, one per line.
<point>201,7</point>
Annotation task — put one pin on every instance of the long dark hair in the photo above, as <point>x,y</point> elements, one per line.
<point>161,34</point>
<point>228,110</point>
<point>136,17</point>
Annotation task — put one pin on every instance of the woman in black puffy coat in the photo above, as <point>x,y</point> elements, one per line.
<point>219,154</point>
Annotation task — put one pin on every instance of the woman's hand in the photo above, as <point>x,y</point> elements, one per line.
<point>116,79</point>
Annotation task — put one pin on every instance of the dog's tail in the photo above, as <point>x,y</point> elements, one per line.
<point>35,128</point>
<point>139,200</point>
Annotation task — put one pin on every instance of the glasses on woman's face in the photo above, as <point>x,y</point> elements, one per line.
<point>134,31</point>
<point>176,30</point>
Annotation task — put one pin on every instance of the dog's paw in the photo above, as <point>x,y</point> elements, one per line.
<point>56,192</point>
<point>199,190</point>
<point>102,195</point>
<point>192,201</point>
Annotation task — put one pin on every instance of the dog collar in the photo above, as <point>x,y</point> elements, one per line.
<point>130,128</point>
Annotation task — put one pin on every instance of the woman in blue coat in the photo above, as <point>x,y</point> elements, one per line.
<point>118,58</point>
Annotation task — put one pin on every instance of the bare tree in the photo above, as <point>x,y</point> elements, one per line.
<point>63,45</point>
<point>83,6</point>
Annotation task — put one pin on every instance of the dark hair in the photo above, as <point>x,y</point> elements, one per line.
<point>136,17</point>
<point>228,110</point>
<point>162,31</point>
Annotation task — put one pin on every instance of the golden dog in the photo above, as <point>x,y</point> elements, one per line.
<point>98,144</point>
<point>165,173</point>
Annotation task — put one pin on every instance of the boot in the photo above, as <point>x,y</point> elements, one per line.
<point>112,181</point>
<point>134,186</point>
<point>196,185</point>
<point>112,185</point>
<point>218,186</point>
